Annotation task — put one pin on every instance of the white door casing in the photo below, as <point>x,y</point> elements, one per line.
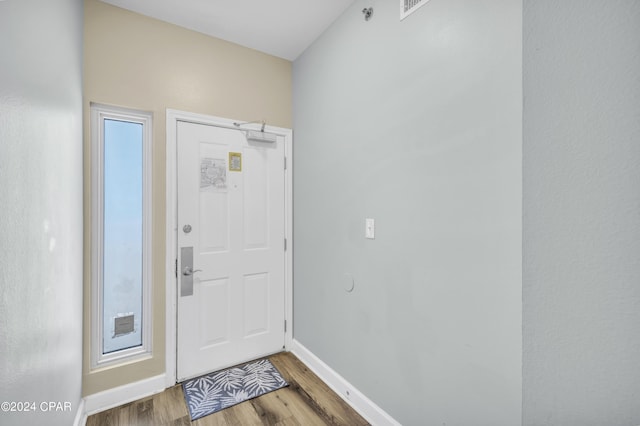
<point>239,220</point>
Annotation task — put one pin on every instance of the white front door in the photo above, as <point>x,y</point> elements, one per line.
<point>231,207</point>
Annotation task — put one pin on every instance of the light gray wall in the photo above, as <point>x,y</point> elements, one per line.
<point>581,264</point>
<point>41,201</point>
<point>416,124</point>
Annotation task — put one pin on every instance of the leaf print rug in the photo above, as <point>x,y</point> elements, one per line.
<point>216,391</point>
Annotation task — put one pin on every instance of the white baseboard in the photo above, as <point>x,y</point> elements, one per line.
<point>352,396</point>
<point>115,397</point>
<point>81,415</point>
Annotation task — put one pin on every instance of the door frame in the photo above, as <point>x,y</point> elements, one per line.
<point>171,237</point>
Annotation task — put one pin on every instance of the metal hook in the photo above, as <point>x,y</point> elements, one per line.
<point>367,13</point>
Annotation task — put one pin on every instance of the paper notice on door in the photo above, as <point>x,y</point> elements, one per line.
<point>213,175</point>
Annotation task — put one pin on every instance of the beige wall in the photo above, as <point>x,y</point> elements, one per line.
<point>142,63</point>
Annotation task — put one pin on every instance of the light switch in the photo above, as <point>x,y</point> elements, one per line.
<point>370,228</point>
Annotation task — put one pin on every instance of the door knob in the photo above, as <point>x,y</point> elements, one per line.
<point>187,271</point>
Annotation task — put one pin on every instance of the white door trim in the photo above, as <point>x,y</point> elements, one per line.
<point>173,116</point>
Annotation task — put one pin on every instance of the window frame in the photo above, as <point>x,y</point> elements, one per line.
<point>99,113</point>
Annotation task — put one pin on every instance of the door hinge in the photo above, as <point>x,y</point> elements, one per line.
<point>176,268</point>
<point>285,326</point>
<point>285,244</point>
<point>285,163</point>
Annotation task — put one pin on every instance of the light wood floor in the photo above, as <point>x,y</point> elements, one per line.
<point>306,401</point>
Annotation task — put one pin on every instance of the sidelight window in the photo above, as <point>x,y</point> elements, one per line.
<point>121,234</point>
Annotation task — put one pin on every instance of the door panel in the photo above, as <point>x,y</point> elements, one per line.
<point>214,323</point>
<point>256,310</point>
<point>236,312</point>
<point>256,198</point>
<point>213,232</point>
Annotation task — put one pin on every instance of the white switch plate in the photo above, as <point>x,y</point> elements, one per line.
<point>370,228</point>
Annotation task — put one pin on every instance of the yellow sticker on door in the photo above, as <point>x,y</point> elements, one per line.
<point>235,162</point>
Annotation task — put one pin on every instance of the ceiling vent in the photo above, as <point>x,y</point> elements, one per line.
<point>407,7</point>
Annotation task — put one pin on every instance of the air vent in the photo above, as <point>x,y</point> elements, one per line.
<point>407,7</point>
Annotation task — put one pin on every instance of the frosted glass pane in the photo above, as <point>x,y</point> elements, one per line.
<point>122,250</point>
